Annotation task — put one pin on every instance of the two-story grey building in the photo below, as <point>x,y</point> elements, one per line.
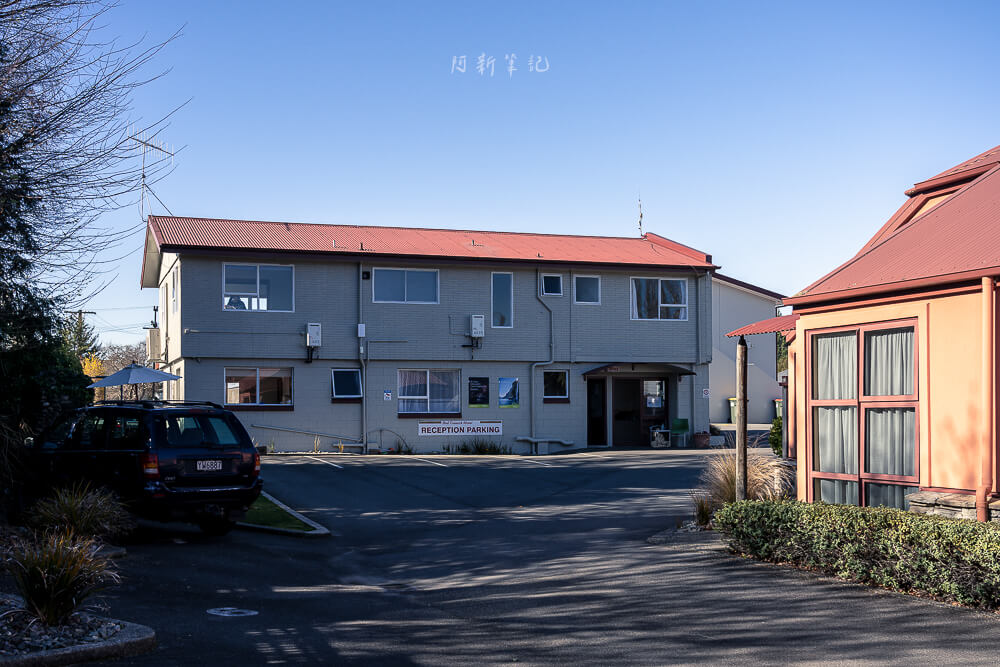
<point>427,339</point>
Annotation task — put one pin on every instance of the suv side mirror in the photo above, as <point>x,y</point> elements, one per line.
<point>29,442</point>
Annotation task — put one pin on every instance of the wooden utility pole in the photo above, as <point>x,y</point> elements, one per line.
<point>741,419</point>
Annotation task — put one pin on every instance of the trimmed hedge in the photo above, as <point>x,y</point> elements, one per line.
<point>952,559</point>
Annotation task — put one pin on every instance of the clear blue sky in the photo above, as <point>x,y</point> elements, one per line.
<point>775,136</point>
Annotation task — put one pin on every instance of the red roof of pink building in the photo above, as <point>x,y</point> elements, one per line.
<point>176,234</point>
<point>947,232</point>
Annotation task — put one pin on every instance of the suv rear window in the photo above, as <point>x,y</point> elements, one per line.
<point>198,431</point>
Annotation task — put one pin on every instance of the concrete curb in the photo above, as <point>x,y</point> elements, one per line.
<point>132,639</point>
<point>317,529</point>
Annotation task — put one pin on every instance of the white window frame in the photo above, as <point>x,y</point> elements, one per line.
<point>437,288</point>
<point>333,384</point>
<point>257,294</point>
<point>427,396</point>
<point>587,303</point>
<point>557,370</point>
<point>502,273</point>
<point>552,275</point>
<point>225,388</point>
<point>659,304</point>
<point>174,284</point>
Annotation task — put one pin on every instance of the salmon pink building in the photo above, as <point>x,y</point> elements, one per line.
<point>892,364</point>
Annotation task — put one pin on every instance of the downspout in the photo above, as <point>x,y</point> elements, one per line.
<point>364,366</point>
<point>552,351</point>
<point>987,425</point>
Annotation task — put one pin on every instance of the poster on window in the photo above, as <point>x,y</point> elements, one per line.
<point>479,392</point>
<point>508,393</point>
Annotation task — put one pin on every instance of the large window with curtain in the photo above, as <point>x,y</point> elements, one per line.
<point>863,415</point>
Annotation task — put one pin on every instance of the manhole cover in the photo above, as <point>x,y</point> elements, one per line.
<point>231,611</point>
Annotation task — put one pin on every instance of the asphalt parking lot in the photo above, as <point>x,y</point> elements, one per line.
<point>448,560</point>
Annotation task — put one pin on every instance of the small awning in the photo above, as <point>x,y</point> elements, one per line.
<point>647,368</point>
<point>780,324</point>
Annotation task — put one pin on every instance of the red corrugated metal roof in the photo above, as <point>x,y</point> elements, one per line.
<point>958,239</point>
<point>177,233</point>
<point>968,169</point>
<point>780,324</point>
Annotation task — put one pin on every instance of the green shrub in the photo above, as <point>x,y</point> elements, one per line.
<point>84,511</point>
<point>952,559</point>
<point>56,572</point>
<point>774,437</point>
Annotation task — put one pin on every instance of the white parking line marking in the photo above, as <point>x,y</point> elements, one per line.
<point>538,463</point>
<point>429,461</point>
<point>329,463</point>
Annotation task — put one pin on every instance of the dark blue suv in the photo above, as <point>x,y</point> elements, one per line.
<point>167,460</point>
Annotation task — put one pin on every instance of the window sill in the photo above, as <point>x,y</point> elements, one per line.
<point>253,407</point>
<point>555,400</point>
<point>352,399</point>
<point>425,415</point>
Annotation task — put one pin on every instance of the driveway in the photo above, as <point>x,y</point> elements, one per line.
<point>498,560</point>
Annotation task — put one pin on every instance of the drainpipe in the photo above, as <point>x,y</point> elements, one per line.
<point>364,366</point>
<point>552,350</point>
<point>987,426</point>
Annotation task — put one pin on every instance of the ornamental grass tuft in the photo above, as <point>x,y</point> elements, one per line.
<point>767,479</point>
<point>55,572</point>
<point>83,510</point>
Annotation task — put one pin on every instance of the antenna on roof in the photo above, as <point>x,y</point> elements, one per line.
<point>640,217</point>
<point>149,144</point>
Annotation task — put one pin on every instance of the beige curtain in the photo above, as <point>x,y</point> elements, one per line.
<point>889,362</point>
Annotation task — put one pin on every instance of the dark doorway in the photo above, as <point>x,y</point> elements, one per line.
<point>597,425</point>
<point>626,424</point>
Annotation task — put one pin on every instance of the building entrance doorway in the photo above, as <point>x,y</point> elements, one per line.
<point>636,405</point>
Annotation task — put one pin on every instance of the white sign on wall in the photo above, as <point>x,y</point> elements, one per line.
<point>460,427</point>
<point>706,393</point>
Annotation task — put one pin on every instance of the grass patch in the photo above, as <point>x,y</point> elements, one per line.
<point>263,512</point>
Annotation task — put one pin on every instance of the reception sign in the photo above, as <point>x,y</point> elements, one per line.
<point>460,427</point>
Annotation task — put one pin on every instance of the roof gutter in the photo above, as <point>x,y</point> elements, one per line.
<point>891,288</point>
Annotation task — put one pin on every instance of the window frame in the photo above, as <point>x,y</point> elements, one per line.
<point>347,398</point>
<point>576,301</point>
<point>659,302</point>
<point>493,275</point>
<point>255,295</point>
<point>437,284</point>
<point>552,275</point>
<point>546,398</point>
<point>862,403</point>
<point>258,405</point>
<point>427,396</point>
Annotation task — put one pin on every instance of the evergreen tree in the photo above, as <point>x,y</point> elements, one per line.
<point>80,337</point>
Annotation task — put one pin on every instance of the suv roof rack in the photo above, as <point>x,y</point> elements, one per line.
<point>155,402</point>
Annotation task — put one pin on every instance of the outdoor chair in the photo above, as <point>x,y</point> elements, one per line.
<point>679,427</point>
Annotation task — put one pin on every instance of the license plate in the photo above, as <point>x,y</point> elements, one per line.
<point>208,466</point>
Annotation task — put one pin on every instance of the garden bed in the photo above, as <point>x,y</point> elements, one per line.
<point>22,634</point>
<point>953,560</point>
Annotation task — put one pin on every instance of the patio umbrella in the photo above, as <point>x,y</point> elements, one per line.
<point>134,374</point>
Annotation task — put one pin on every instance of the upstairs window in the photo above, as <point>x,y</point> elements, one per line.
<point>551,285</point>
<point>587,290</point>
<point>659,299</point>
<point>258,287</point>
<point>503,300</point>
<point>405,286</point>
<point>174,280</point>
